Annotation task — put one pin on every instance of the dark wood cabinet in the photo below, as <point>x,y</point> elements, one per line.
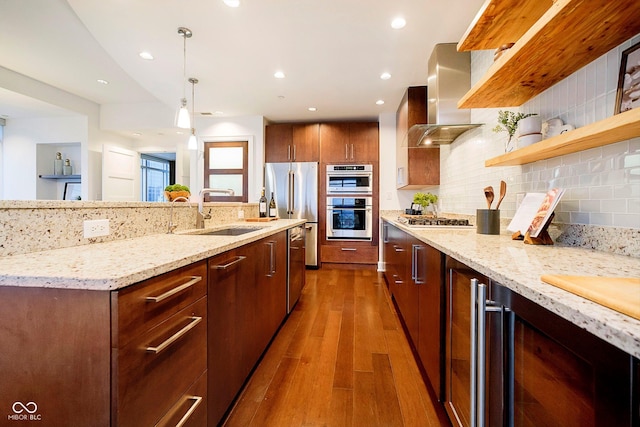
<point>414,272</point>
<point>349,142</point>
<point>416,167</point>
<point>159,336</point>
<point>286,142</point>
<point>247,294</point>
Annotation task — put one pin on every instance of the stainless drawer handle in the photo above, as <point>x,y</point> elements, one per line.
<point>196,401</point>
<point>172,292</point>
<point>173,338</point>
<point>348,249</point>
<point>229,264</point>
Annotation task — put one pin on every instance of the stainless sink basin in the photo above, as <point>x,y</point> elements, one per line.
<point>229,231</point>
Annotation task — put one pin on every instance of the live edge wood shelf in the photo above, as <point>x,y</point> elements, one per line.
<point>567,36</point>
<point>608,131</point>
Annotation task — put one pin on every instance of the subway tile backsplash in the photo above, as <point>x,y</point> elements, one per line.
<point>603,184</point>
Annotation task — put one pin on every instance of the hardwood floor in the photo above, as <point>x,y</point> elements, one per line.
<point>341,359</point>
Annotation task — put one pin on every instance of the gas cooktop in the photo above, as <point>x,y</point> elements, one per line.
<point>420,222</point>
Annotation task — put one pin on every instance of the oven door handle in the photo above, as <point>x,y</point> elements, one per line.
<point>329,208</point>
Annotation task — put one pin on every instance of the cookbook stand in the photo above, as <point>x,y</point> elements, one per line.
<point>543,237</point>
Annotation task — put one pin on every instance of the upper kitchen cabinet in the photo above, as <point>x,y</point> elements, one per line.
<point>566,37</point>
<point>292,143</point>
<point>349,142</point>
<point>416,167</point>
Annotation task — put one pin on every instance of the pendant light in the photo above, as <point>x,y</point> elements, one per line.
<point>182,117</point>
<point>193,142</point>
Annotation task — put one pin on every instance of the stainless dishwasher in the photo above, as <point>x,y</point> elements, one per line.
<point>295,264</point>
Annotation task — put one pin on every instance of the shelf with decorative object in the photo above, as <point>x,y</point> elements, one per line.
<point>76,177</point>
<point>568,36</point>
<point>608,131</point>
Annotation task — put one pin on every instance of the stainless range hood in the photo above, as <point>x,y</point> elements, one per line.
<point>449,78</point>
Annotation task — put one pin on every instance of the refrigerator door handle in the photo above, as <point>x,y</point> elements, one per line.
<point>290,192</point>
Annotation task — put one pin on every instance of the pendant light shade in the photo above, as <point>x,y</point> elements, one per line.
<point>182,116</point>
<point>193,142</point>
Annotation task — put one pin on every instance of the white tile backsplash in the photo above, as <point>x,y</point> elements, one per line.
<point>603,184</point>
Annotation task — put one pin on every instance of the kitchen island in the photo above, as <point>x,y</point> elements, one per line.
<point>519,267</point>
<point>137,331</point>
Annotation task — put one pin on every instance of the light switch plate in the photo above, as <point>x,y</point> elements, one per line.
<point>96,228</point>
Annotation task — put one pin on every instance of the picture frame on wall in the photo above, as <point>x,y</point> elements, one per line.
<point>628,93</point>
<point>72,191</point>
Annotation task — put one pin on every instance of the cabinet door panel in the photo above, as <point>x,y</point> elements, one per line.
<point>278,143</point>
<point>363,140</point>
<point>306,142</point>
<point>334,140</point>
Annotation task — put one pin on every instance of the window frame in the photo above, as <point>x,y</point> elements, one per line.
<point>244,171</point>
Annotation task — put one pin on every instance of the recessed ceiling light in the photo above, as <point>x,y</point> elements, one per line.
<point>398,23</point>
<point>278,75</point>
<point>179,132</point>
<point>146,55</point>
<point>232,3</point>
<point>312,109</point>
<point>136,134</point>
<point>385,76</point>
<point>379,102</point>
<point>102,82</point>
<point>218,113</point>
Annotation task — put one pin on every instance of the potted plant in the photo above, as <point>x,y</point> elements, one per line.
<point>508,122</point>
<point>426,199</point>
<point>171,192</point>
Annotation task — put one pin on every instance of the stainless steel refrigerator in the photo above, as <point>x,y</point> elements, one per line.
<point>295,190</point>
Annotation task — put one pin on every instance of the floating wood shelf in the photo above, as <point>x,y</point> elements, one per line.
<point>568,36</point>
<point>608,131</point>
<point>60,176</point>
<point>500,22</point>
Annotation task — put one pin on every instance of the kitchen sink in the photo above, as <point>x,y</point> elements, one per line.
<point>229,231</point>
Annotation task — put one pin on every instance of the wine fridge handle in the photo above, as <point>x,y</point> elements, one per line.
<point>481,348</point>
<point>473,377</point>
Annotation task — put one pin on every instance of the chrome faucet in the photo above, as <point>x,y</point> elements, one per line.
<point>173,226</point>
<point>200,215</point>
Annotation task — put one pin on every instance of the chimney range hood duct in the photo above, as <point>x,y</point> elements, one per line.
<point>449,78</point>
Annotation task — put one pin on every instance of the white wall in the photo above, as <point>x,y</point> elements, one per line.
<point>603,184</point>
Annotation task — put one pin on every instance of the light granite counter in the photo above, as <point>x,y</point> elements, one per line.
<point>519,267</point>
<point>116,264</point>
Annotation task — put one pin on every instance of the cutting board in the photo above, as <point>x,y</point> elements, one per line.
<point>265,219</point>
<point>618,293</point>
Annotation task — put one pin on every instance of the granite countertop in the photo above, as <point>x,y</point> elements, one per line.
<point>519,266</point>
<point>116,264</point>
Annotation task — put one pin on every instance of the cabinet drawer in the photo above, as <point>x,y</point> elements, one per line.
<point>154,370</point>
<point>142,306</point>
<point>191,409</point>
<point>350,254</point>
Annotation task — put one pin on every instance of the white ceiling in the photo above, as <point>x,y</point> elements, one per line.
<point>332,52</point>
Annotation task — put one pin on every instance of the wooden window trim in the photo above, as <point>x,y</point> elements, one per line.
<point>244,171</point>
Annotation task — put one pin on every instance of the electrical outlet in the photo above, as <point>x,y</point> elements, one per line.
<point>240,214</point>
<point>96,228</point>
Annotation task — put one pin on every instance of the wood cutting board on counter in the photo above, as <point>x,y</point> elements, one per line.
<point>621,294</point>
<point>263,219</point>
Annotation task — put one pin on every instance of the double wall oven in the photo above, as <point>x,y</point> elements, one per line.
<point>349,202</point>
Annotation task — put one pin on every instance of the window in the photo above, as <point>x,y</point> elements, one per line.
<point>225,167</point>
<point>155,174</point>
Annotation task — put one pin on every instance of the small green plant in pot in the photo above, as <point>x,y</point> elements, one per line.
<point>426,199</point>
<point>173,191</point>
<point>508,122</point>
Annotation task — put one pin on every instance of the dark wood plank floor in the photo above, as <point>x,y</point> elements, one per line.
<point>341,359</point>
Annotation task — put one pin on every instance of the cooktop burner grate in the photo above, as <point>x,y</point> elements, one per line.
<point>438,221</point>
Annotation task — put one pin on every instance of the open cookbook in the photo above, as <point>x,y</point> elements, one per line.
<point>535,211</point>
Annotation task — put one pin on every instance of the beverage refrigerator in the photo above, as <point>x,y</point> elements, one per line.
<point>295,189</point>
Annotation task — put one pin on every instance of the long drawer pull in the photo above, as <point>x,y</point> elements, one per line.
<point>229,264</point>
<point>173,338</point>
<point>172,292</point>
<point>348,249</point>
<point>196,401</point>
